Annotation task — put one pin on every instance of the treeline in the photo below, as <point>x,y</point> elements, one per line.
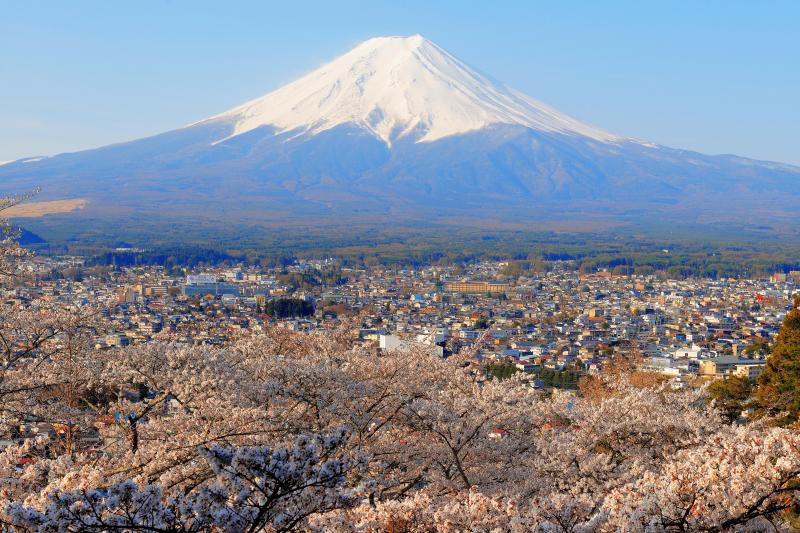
<point>168,258</point>
<point>682,263</point>
<point>678,264</point>
<point>526,252</point>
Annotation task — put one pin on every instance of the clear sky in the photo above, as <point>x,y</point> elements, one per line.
<point>713,76</point>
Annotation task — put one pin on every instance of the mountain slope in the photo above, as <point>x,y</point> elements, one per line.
<point>399,127</point>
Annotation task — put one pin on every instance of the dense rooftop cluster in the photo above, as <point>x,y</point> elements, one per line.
<point>556,319</point>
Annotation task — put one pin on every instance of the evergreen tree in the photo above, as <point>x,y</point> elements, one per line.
<point>731,395</point>
<point>779,384</point>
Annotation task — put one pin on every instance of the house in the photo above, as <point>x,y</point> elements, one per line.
<point>527,366</point>
<point>721,366</point>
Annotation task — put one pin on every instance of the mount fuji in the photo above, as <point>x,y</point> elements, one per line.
<point>399,128</point>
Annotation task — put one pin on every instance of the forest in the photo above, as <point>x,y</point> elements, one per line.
<point>672,252</point>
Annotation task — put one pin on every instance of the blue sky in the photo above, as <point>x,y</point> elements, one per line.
<point>713,76</point>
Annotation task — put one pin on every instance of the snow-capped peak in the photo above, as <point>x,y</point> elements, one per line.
<point>398,86</point>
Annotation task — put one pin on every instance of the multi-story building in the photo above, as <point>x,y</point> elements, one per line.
<point>476,287</point>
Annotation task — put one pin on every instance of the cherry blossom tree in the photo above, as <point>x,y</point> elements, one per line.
<point>252,489</point>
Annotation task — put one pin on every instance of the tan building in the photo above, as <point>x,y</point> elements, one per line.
<point>476,286</point>
<point>720,366</point>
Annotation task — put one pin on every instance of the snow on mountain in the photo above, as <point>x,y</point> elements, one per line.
<point>397,87</point>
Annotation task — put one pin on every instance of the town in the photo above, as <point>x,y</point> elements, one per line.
<point>552,324</point>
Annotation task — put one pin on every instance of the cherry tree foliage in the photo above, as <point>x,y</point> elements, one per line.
<point>738,478</point>
<point>248,438</point>
<point>285,431</point>
<point>252,488</point>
